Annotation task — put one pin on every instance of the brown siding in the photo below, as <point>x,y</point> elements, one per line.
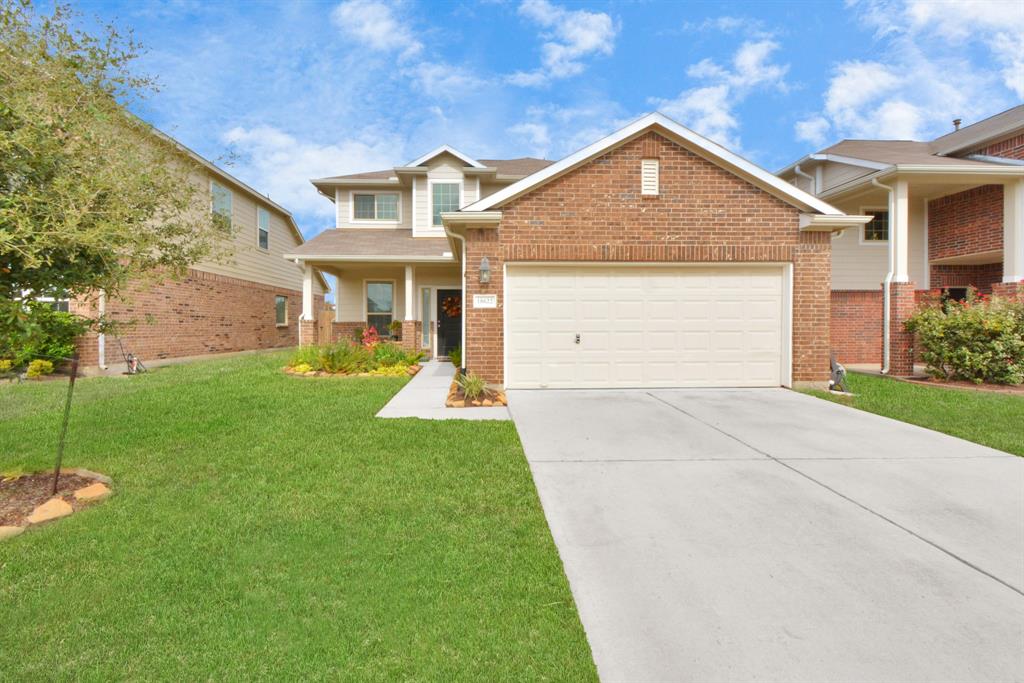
<point>703,213</point>
<point>199,314</point>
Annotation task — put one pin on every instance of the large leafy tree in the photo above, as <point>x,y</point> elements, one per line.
<point>90,196</point>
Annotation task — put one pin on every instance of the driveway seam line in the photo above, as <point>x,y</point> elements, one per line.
<point>843,496</point>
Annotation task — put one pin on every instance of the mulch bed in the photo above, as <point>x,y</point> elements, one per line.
<point>413,369</point>
<point>964,385</point>
<point>19,496</point>
<point>490,399</point>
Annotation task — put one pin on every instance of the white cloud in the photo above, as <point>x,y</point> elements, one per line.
<point>375,25</point>
<point>442,80</point>
<point>554,131</point>
<point>930,74</point>
<point>748,26</point>
<point>535,135</point>
<point>570,36</point>
<point>709,109</point>
<point>278,163</point>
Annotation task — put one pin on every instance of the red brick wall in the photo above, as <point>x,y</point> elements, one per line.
<point>199,314</point>
<point>702,214</point>
<point>1011,148</point>
<point>982,276</point>
<point>856,326</point>
<point>967,222</point>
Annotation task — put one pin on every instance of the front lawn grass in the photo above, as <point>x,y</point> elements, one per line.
<point>268,526</point>
<point>990,419</point>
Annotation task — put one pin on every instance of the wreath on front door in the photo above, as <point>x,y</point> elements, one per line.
<point>452,306</point>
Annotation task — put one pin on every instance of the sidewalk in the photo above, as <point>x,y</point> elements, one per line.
<point>425,394</point>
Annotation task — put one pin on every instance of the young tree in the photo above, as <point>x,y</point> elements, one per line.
<point>90,195</point>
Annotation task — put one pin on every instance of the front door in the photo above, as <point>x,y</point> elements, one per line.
<point>449,320</point>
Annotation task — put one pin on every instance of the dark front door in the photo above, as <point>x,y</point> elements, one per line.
<point>449,320</point>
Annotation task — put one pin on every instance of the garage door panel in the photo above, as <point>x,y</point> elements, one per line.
<point>644,326</point>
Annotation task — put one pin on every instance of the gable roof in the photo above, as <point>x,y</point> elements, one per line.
<point>678,133</point>
<point>890,152</point>
<point>976,134</point>
<point>443,149</point>
<point>522,166</point>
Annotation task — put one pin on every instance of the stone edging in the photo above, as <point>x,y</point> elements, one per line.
<point>453,401</point>
<point>413,369</point>
<point>57,507</point>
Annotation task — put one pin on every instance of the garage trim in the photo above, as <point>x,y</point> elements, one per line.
<point>786,322</point>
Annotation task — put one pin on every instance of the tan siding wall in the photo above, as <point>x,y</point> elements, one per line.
<point>834,174</point>
<point>249,262</point>
<point>857,266</point>
<point>351,291</point>
<point>343,205</point>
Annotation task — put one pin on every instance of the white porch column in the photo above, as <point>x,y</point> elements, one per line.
<point>337,298</point>
<point>307,292</point>
<point>1013,231</point>
<point>410,301</point>
<point>899,231</point>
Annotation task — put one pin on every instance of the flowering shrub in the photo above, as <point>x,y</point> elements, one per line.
<point>980,339</point>
<point>370,338</point>
<point>348,358</point>
<point>39,367</point>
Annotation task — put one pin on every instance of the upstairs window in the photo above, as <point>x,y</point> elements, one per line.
<point>649,177</point>
<point>373,206</point>
<point>877,229</point>
<point>220,204</point>
<point>444,197</point>
<point>262,228</point>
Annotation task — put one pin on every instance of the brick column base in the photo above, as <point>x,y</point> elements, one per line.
<point>307,333</point>
<point>346,331</point>
<point>411,334</point>
<point>901,342</point>
<point>1009,290</point>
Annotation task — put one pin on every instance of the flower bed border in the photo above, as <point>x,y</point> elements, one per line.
<point>495,399</point>
<point>58,507</point>
<point>411,370</point>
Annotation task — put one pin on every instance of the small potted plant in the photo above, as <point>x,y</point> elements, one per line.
<point>396,329</point>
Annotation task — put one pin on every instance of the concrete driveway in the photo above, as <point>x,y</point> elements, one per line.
<point>742,535</point>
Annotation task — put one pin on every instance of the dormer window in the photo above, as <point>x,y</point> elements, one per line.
<point>375,206</point>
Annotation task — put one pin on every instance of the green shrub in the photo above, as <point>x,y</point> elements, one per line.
<point>346,358</point>
<point>39,367</point>
<point>387,353</point>
<point>302,368</point>
<point>399,370</point>
<point>980,340</point>
<point>306,355</point>
<point>455,356</point>
<point>51,335</point>
<point>472,385</point>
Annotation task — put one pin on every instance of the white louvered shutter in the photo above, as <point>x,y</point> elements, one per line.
<point>649,176</point>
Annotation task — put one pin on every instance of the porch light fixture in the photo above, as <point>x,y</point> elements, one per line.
<point>485,271</point>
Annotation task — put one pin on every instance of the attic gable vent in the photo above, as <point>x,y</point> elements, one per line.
<point>649,177</point>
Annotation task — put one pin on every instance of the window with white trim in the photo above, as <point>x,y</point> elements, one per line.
<point>649,177</point>
<point>262,228</point>
<point>444,197</point>
<point>877,229</point>
<point>380,306</point>
<point>220,203</point>
<point>375,206</point>
<point>281,310</point>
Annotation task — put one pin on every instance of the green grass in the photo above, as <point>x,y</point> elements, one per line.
<point>267,526</point>
<point>990,419</point>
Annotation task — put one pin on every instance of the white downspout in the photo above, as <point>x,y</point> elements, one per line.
<point>101,339</point>
<point>886,284</point>
<point>814,183</point>
<point>462,240</point>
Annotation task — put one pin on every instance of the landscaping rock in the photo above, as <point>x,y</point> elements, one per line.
<point>88,474</point>
<point>97,491</point>
<point>55,508</point>
<point>10,531</point>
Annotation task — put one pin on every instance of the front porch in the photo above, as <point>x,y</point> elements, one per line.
<point>408,289</point>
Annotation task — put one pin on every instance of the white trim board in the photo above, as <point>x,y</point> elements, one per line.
<point>671,129</point>
<point>442,150</point>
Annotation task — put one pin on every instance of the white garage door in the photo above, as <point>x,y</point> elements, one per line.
<point>657,326</point>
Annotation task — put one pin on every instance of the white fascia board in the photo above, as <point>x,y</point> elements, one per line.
<point>711,150</point>
<point>816,222</point>
<point>332,182</point>
<point>475,218</point>
<point>333,258</point>
<point>450,150</point>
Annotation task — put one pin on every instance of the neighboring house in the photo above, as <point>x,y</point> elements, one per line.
<point>946,214</point>
<point>653,257</point>
<point>250,300</point>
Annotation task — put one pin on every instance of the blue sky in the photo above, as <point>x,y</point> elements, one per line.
<point>307,89</point>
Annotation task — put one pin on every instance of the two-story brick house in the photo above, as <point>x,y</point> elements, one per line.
<point>945,214</point>
<point>653,257</point>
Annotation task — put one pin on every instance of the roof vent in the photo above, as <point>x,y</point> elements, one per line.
<point>956,124</point>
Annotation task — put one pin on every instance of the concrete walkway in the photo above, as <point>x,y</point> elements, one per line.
<point>765,535</point>
<point>425,394</point>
